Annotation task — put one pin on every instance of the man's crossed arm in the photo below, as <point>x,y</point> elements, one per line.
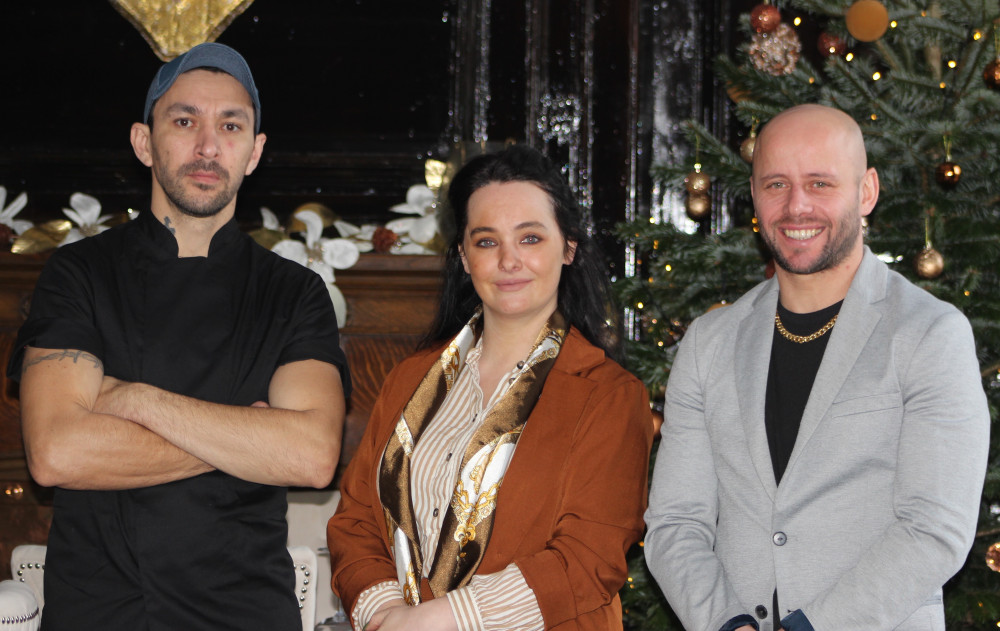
<point>83,430</point>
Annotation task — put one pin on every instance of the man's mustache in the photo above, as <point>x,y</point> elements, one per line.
<point>204,166</point>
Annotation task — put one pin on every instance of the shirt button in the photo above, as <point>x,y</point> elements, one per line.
<point>435,512</point>
<point>448,457</point>
<point>779,538</point>
<point>761,611</point>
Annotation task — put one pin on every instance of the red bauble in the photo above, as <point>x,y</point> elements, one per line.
<point>764,18</point>
<point>769,268</point>
<point>830,45</point>
<point>383,239</point>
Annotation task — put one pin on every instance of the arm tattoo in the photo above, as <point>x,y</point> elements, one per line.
<point>75,356</point>
<point>166,222</point>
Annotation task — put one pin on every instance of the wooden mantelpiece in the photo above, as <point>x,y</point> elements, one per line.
<point>390,302</point>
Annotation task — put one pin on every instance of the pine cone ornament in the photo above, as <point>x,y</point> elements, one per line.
<point>776,53</point>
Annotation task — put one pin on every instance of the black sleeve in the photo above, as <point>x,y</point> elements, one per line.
<point>315,334</point>
<point>62,311</point>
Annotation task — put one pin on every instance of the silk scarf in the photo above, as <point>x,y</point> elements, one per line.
<point>468,521</point>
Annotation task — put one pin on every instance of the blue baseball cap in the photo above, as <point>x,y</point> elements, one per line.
<point>208,55</point>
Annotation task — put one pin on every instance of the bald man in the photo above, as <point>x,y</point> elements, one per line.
<point>826,435</point>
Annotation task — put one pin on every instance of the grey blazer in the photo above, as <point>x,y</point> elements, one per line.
<point>878,505</point>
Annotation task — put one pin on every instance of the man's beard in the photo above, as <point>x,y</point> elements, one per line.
<point>834,252</point>
<point>173,187</point>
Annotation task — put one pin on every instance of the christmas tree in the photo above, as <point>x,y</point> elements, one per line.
<point>923,80</point>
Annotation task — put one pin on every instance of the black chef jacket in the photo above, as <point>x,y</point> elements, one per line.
<point>207,552</point>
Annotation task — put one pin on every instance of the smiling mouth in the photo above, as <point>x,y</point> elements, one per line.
<point>802,235</point>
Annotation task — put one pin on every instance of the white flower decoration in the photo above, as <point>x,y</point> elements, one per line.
<point>416,232</point>
<point>419,201</point>
<point>86,214</point>
<point>359,236</point>
<point>8,213</point>
<point>320,255</point>
<point>269,218</point>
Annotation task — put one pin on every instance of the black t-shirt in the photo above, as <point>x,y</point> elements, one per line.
<point>207,552</point>
<point>790,380</point>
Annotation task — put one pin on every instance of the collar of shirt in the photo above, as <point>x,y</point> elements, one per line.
<point>164,244</point>
<point>472,365</point>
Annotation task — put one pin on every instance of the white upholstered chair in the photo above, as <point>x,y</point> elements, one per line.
<point>19,610</point>
<point>27,565</point>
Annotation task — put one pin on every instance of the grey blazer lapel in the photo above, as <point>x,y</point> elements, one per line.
<point>752,359</point>
<point>855,324</point>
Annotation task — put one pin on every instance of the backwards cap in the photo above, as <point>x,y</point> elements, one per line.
<point>208,55</point>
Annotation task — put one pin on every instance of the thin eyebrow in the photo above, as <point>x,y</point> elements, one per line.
<point>521,226</point>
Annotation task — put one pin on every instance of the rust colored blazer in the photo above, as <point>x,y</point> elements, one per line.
<point>570,505</point>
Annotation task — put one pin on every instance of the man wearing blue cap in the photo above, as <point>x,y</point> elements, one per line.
<point>175,378</point>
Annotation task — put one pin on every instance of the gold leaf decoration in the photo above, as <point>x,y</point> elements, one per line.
<point>171,27</point>
<point>324,212</point>
<point>268,238</point>
<point>434,174</point>
<point>41,238</point>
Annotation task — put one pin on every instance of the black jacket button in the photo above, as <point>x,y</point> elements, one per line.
<point>761,611</point>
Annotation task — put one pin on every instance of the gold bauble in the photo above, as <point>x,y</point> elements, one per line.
<point>697,182</point>
<point>992,74</point>
<point>867,20</point>
<point>947,174</point>
<point>746,147</point>
<point>698,206</point>
<point>993,557</point>
<point>929,263</point>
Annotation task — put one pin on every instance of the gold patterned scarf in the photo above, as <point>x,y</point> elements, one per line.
<point>469,521</point>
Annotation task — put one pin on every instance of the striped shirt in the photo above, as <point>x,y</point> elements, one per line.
<point>499,601</point>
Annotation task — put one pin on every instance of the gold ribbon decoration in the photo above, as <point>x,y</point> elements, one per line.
<point>172,27</point>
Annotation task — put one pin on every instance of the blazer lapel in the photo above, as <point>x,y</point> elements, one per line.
<point>855,324</point>
<point>752,359</point>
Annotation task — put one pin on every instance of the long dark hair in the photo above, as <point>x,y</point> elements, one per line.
<point>584,296</point>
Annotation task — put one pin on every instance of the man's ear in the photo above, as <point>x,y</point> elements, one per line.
<point>869,192</point>
<point>258,150</point>
<point>140,143</point>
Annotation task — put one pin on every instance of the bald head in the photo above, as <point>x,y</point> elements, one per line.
<point>813,123</point>
<point>811,186</point>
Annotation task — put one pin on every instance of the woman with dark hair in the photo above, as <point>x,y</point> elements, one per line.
<point>502,476</point>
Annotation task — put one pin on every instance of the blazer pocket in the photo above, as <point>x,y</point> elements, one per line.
<point>866,404</point>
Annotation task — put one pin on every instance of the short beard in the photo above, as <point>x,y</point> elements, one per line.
<point>833,253</point>
<point>174,189</point>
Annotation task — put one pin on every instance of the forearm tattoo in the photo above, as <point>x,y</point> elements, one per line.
<point>73,355</point>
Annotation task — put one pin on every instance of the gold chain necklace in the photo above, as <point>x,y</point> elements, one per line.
<point>802,339</point>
